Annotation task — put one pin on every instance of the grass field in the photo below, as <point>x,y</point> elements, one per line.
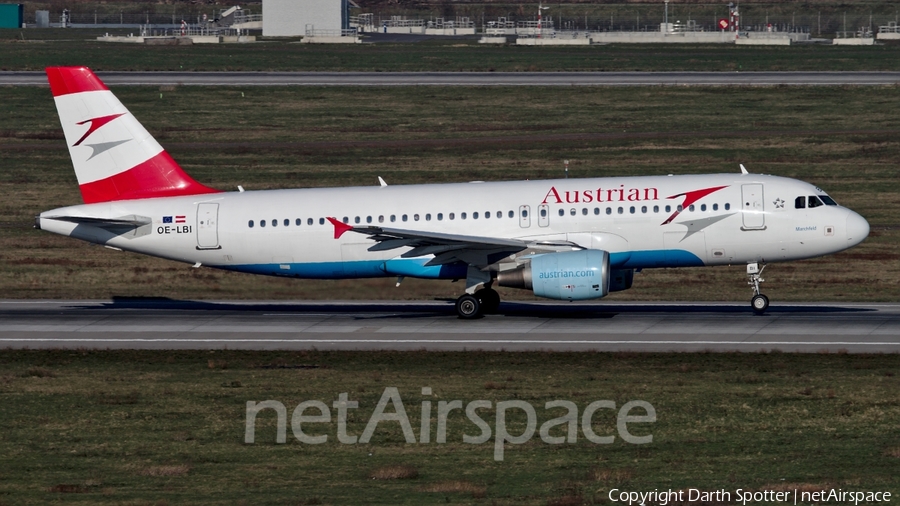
<point>168,427</point>
<point>42,48</point>
<point>844,140</point>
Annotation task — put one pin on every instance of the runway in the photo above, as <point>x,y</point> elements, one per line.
<point>520,326</point>
<point>474,78</point>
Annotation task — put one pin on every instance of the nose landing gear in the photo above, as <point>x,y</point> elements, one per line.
<point>759,302</point>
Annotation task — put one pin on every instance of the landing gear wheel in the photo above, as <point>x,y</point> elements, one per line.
<point>468,307</point>
<point>759,303</point>
<point>490,300</point>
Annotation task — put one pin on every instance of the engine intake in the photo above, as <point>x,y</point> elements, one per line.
<point>570,275</point>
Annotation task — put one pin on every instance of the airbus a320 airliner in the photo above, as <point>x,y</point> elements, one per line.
<point>565,239</point>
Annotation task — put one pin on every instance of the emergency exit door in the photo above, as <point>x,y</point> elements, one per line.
<point>207,226</point>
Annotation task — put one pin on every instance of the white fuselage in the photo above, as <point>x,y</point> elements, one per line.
<point>742,218</point>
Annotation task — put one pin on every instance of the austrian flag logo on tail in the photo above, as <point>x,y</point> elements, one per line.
<point>95,125</point>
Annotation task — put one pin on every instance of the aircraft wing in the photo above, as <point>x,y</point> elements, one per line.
<point>446,248</point>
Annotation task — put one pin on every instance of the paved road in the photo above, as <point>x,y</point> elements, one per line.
<point>163,324</point>
<point>473,78</point>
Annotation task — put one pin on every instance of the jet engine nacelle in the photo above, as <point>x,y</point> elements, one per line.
<point>570,275</point>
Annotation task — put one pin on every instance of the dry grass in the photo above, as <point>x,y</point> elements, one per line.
<point>165,471</point>
<point>567,500</point>
<point>799,487</point>
<point>455,487</point>
<point>38,372</point>
<point>611,477</point>
<point>395,472</point>
<point>64,488</point>
<point>893,452</point>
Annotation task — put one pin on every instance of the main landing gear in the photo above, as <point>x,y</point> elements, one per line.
<point>482,302</point>
<point>759,302</point>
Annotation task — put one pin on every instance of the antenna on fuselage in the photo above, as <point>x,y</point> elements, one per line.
<point>381,182</point>
<point>743,169</point>
<point>567,168</point>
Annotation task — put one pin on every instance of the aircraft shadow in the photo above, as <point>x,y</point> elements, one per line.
<point>517,309</point>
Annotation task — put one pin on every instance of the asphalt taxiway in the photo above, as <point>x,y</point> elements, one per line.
<point>520,326</point>
<point>473,78</point>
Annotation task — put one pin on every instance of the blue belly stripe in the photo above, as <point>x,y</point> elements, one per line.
<point>414,267</point>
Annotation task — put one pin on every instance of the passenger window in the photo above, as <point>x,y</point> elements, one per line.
<point>298,222</point>
<point>250,223</point>
<point>309,221</point>
<point>680,208</point>
<point>452,216</point>
<point>562,212</point>
<point>427,216</point>
<point>668,209</point>
<point>462,216</point>
<point>499,214</point>
<point>475,215</point>
<point>381,219</point>
<point>524,213</point>
<point>321,221</point>
<point>415,217</point>
<point>368,219</point>
<point>346,219</point>
<point>584,211</point>
<point>487,215</point>
<point>274,223</point>
<point>543,213</point>
<point>608,210</point>
<point>356,220</point>
<point>597,211</point>
<point>703,207</point>
<point>727,206</point>
<point>262,223</point>
<point>572,211</point>
<point>655,209</point>
<point>814,201</point>
<point>644,209</point>
<point>512,214</point>
<point>404,217</point>
<point>440,216</point>
<point>393,218</point>
<point>715,207</point>
<point>621,210</point>
<point>691,208</point>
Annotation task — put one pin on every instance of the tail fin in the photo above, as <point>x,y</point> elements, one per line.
<point>115,158</point>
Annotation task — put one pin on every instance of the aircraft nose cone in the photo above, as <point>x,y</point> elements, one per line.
<point>857,229</point>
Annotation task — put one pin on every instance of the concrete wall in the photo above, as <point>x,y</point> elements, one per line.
<point>854,41</point>
<point>289,18</point>
<point>659,37</point>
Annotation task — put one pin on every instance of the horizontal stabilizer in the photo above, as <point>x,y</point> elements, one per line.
<point>125,221</point>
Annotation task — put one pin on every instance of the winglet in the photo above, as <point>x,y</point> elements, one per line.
<point>339,227</point>
<point>743,169</point>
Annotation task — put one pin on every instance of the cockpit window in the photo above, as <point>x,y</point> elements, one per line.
<point>814,201</point>
<point>800,203</point>
<point>828,200</point>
